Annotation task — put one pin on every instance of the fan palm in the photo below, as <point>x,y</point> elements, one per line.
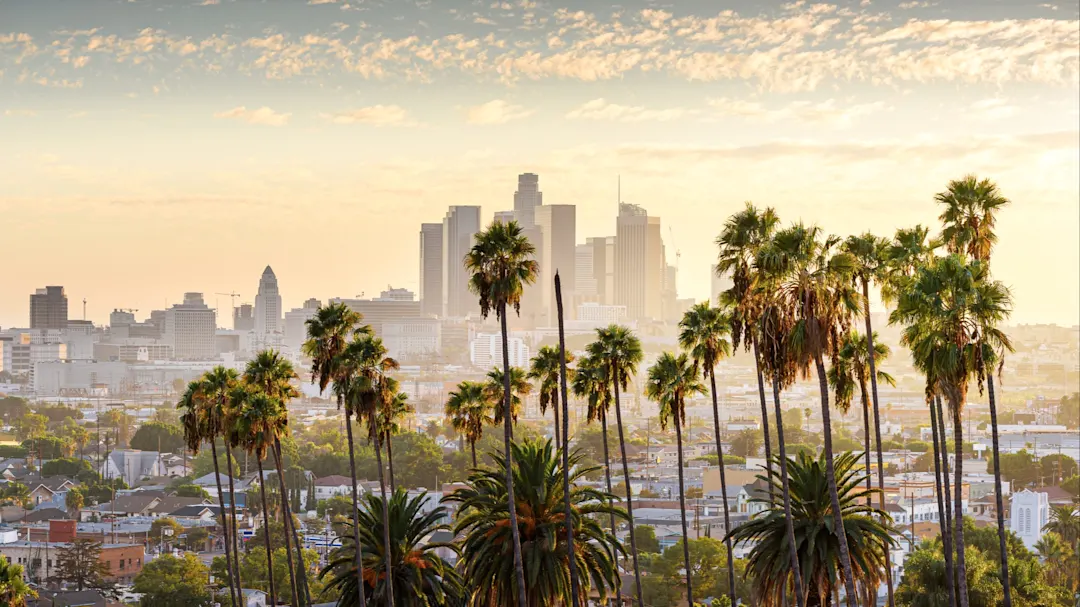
<point>390,420</point>
<point>421,577</point>
<point>329,332</point>
<point>519,388</point>
<point>13,589</point>
<point>867,530</point>
<point>485,543</point>
<point>816,291</point>
<point>618,350</point>
<point>545,369</point>
<point>671,380</point>
<point>564,446</point>
<point>1065,521</point>
<point>704,332</point>
<point>501,264</point>
<point>469,411</point>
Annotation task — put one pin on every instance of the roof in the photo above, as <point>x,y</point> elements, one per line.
<point>52,483</point>
<point>172,503</point>
<point>45,514</point>
<point>1057,495</point>
<point>334,480</point>
<point>194,510</point>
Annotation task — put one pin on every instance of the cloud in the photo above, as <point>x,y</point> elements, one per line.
<point>208,2</point>
<point>25,113</point>
<point>263,115</point>
<point>496,111</point>
<point>826,112</point>
<point>377,115</point>
<point>600,109</point>
<point>993,108</point>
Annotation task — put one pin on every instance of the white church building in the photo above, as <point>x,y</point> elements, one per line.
<point>1029,514</point>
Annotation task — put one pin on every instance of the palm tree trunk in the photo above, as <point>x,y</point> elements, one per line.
<point>682,507</point>
<point>266,534</point>
<point>866,441</point>
<point>232,514</point>
<point>877,427</point>
<point>997,492</point>
<point>629,493</point>
<point>607,477</point>
<point>947,484</point>
<point>765,419</point>
<point>830,474</point>
<point>800,597</point>
<point>356,509</point>
<point>285,526</point>
<point>388,548</point>
<point>390,463</point>
<point>571,553</point>
<point>233,586</point>
<point>958,503</point>
<point>723,486</point>
<point>555,405</point>
<point>508,430</point>
<point>943,518</point>
<point>472,447</point>
<point>301,575</point>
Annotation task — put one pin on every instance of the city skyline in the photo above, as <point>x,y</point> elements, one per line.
<point>172,147</point>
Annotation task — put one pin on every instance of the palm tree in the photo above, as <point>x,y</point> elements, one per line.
<point>272,374</point>
<point>704,333</point>
<point>1060,559</point>
<point>421,576</point>
<point>671,380</point>
<point>519,388</point>
<point>941,473</point>
<point>501,264</point>
<point>482,526</point>
<point>1065,521</point>
<point>970,214</point>
<point>867,530</point>
<point>545,369</point>
<point>618,350</point>
<point>13,589</point>
<point>389,422</point>
<point>564,447</point>
<point>328,333</point>
<point>469,411</point>
<point>816,291</point>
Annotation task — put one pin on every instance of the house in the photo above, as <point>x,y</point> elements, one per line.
<point>69,598</point>
<point>132,465</point>
<point>12,468</point>
<point>174,466</point>
<point>253,598</point>
<point>150,505</point>
<point>45,489</point>
<point>330,486</point>
<point>202,512</point>
<point>209,482</point>
<point>42,515</point>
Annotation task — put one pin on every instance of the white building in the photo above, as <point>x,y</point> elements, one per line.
<point>599,313</point>
<point>459,230</point>
<point>132,465</point>
<point>268,304</point>
<point>1029,513</point>
<point>190,328</point>
<point>485,351</point>
<point>50,378</point>
<point>412,337</point>
<point>584,281</point>
<point>295,324</point>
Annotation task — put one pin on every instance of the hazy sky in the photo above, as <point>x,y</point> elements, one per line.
<point>152,147</point>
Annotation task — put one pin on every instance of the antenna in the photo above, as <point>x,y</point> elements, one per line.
<point>84,308</point>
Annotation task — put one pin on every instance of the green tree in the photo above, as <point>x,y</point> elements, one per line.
<point>158,436</point>
<point>1065,521</point>
<point>545,369</point>
<point>30,426</point>
<point>1021,469</point>
<point>119,422</point>
<point>164,530</point>
<point>646,539</point>
<point>170,581</point>
<point>468,411</point>
<point>190,490</point>
<point>747,443</point>
<point>501,264</point>
<point>419,460</point>
<point>79,564</point>
<point>389,420</point>
<point>70,467</point>
<point>1056,467</point>
<point>13,589</point>
<point>15,493</point>
<point>12,408</point>
<point>1068,411</point>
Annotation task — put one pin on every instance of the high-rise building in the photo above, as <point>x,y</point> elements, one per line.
<point>718,284</point>
<point>431,269</point>
<point>244,318</point>
<point>190,329</point>
<point>49,309</point>
<point>505,216</point>
<point>459,232</point>
<point>295,323</point>
<point>380,310</point>
<point>557,224</point>
<point>121,318</point>
<point>399,294</point>
<point>584,283</point>
<point>527,198</point>
<point>268,304</point>
<point>670,294</point>
<point>639,263</point>
<point>603,267</point>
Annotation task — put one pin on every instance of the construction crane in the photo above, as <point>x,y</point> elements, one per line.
<point>233,297</point>
<point>678,252</point>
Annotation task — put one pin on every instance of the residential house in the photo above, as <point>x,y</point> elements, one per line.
<point>46,489</point>
<point>150,505</point>
<point>254,598</point>
<point>330,486</point>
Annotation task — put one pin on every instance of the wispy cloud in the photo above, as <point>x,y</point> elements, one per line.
<point>600,109</point>
<point>263,115</point>
<point>994,108</point>
<point>376,115</point>
<point>496,111</point>
<point>20,112</point>
<point>827,112</point>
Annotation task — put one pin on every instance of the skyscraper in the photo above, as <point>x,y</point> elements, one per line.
<point>527,198</point>
<point>431,268</point>
<point>243,318</point>
<point>603,267</point>
<point>190,329</point>
<point>268,304</point>
<point>584,282</point>
<point>557,225</point>
<point>639,263</point>
<point>459,230</point>
<point>49,309</point>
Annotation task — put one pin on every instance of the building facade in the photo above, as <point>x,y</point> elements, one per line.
<point>296,323</point>
<point>1029,513</point>
<point>431,269</point>
<point>190,329</point>
<point>558,252</point>
<point>49,308</point>
<point>459,233</point>
<point>527,199</point>
<point>639,263</point>
<point>485,351</point>
<point>268,304</point>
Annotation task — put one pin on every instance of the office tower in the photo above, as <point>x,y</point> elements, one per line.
<point>399,294</point>
<point>557,224</point>
<point>639,263</point>
<point>121,318</point>
<point>431,269</point>
<point>296,323</point>
<point>527,198</point>
<point>244,318</point>
<point>190,329</point>
<point>380,310</point>
<point>584,282</point>
<point>603,267</point>
<point>718,284</point>
<point>669,295</point>
<point>49,309</point>
<point>268,304</point>
<point>459,232</point>
<point>505,216</point>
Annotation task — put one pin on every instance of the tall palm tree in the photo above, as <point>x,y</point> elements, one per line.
<point>469,411</point>
<point>13,589</point>
<point>867,530</point>
<point>501,264</point>
<point>941,474</point>
<point>564,447</point>
<point>739,244</point>
<point>704,332</point>
<point>1065,521</point>
<point>421,577</point>
<point>329,332</point>
<point>389,422</point>
<point>545,369</point>
<point>519,389</point>
<point>968,218</point>
<point>671,380</point>
<point>619,351</point>
<point>816,290</point>
<point>870,256</point>
<point>482,526</point>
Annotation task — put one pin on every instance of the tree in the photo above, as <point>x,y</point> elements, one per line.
<point>388,420</point>
<point>867,530</point>
<point>520,388</point>
<point>545,369</point>
<point>30,426</point>
<point>158,436</point>
<point>501,264</point>
<point>16,493</point>
<point>191,491</point>
<point>468,411</point>
<point>1065,521</point>
<point>48,447</point>
<point>170,581</point>
<point>1056,467</point>
<point>747,443</point>
<point>12,408</point>
<point>704,332</point>
<point>1021,469</point>
<point>164,530</point>
<point>13,588</point>
<point>195,539</point>
<point>419,460</point>
<point>618,351</point>
<point>79,564</point>
<point>671,380</point>
<point>483,530</point>
<point>119,422</point>
<point>646,539</point>
<point>65,466</point>
<point>925,580</point>
<point>1068,411</point>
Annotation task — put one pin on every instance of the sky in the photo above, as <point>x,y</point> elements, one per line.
<point>153,147</point>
